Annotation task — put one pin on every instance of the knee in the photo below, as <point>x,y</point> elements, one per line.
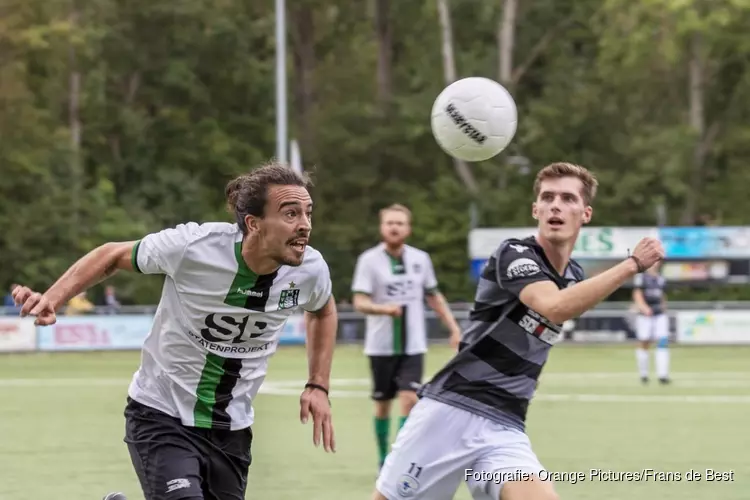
<point>377,496</point>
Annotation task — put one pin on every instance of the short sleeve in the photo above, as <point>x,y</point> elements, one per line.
<point>430,280</point>
<point>517,266</point>
<point>362,281</point>
<point>321,291</point>
<point>638,281</point>
<point>162,252</point>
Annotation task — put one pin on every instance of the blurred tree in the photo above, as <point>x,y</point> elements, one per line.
<point>119,118</point>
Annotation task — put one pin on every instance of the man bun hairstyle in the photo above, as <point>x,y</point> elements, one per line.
<point>248,193</point>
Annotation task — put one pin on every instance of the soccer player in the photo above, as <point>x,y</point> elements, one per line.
<point>391,283</point>
<point>652,322</point>
<point>469,424</point>
<point>228,291</point>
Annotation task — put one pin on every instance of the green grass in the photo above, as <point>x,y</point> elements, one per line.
<point>63,439</point>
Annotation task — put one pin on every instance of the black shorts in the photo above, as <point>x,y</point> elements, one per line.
<point>173,461</point>
<point>391,374</point>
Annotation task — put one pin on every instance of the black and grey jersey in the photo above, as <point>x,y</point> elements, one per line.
<point>506,344</point>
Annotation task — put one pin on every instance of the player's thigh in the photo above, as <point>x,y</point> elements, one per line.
<point>644,327</point>
<point>166,460</point>
<point>661,326</point>
<point>228,458</point>
<point>410,372</point>
<point>508,465</point>
<point>383,373</point>
<point>431,453</point>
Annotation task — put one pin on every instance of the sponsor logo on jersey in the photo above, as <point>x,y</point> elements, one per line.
<point>250,293</point>
<point>519,248</point>
<point>540,327</point>
<point>289,298</point>
<point>522,268</point>
<point>230,334</point>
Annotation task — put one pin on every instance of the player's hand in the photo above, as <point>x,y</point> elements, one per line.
<point>455,339</point>
<point>646,311</point>
<point>314,401</point>
<point>394,310</point>
<point>34,304</point>
<point>648,252</point>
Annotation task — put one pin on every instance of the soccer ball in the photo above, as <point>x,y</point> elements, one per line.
<point>474,119</point>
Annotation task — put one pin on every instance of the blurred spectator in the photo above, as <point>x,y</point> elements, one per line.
<point>79,305</point>
<point>110,300</point>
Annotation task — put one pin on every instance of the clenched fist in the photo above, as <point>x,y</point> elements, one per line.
<point>647,252</point>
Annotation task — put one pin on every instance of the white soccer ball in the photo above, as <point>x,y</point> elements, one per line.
<point>474,119</point>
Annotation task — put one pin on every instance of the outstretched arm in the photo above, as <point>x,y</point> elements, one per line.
<point>92,268</point>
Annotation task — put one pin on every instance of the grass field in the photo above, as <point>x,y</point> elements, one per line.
<point>61,426</point>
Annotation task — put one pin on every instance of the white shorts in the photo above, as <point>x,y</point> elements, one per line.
<point>441,446</point>
<point>650,328</point>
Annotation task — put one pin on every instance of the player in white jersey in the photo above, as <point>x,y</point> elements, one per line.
<point>228,290</point>
<point>391,283</point>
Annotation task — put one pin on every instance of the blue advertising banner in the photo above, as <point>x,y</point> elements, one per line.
<point>706,242</point>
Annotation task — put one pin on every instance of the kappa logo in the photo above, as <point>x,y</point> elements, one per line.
<point>407,486</point>
<point>289,298</point>
<point>522,268</point>
<point>519,248</point>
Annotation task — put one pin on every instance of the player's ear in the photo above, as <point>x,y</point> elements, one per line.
<point>252,223</point>
<point>587,213</point>
<point>533,211</point>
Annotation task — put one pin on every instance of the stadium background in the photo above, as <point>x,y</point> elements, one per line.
<point>120,119</point>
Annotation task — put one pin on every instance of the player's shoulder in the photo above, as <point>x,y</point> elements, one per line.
<point>370,254</point>
<point>196,231</point>
<point>417,252</point>
<point>517,248</point>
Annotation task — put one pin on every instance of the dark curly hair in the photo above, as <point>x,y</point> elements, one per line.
<point>248,193</point>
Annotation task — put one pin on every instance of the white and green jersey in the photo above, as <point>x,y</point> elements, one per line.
<point>217,323</point>
<point>390,280</point>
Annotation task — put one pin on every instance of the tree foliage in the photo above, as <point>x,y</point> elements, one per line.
<point>174,99</point>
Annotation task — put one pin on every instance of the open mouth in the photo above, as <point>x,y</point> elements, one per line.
<point>555,222</point>
<point>299,245</point>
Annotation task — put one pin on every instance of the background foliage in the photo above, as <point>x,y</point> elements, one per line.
<point>119,118</point>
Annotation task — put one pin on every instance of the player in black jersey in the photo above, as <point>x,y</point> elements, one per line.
<point>652,322</point>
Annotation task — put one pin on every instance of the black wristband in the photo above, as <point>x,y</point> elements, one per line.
<point>316,386</point>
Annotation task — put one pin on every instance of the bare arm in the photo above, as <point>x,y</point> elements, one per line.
<point>561,305</point>
<point>94,267</point>
<point>321,329</point>
<point>437,303</point>
<point>364,304</point>
<point>640,301</point>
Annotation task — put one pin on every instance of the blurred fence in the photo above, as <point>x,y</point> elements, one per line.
<point>125,329</point>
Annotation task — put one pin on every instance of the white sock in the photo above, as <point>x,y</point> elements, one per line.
<point>641,355</point>
<point>662,362</point>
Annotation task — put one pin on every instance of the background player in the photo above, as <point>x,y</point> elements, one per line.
<point>478,401</point>
<point>391,282</point>
<point>652,322</point>
<point>228,291</point>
